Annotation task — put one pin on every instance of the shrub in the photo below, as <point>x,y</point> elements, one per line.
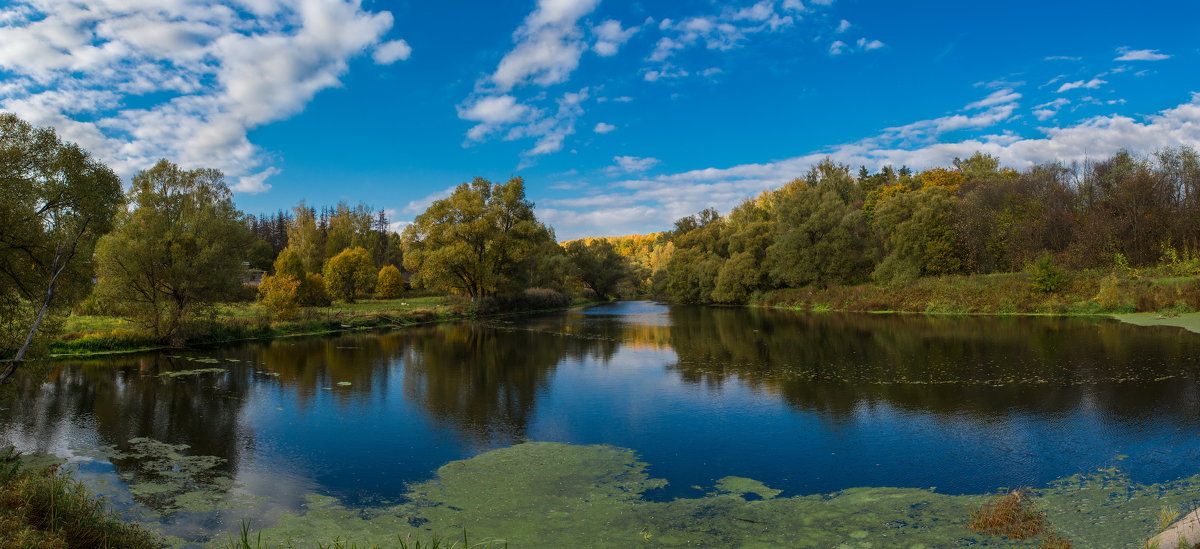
<point>313,292</point>
<point>1114,294</point>
<point>1045,277</point>
<point>390,283</point>
<point>280,294</point>
<point>544,298</point>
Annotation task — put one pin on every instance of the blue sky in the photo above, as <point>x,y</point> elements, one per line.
<point>621,116</point>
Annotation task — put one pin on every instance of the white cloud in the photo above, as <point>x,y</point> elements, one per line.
<point>417,207</point>
<point>1050,109</point>
<point>1063,58</point>
<point>839,47</point>
<point>723,31</point>
<point>843,26</point>
<point>868,45</point>
<point>551,130</point>
<point>392,51</point>
<point>631,164</point>
<point>213,71</point>
<point>548,45</point>
<point>547,49</point>
<point>1006,95</point>
<point>610,36</point>
<point>652,204</point>
<point>1128,54</point>
<point>603,128</point>
<point>1090,84</point>
<point>667,71</point>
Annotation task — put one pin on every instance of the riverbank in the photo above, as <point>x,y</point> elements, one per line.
<point>1081,293</point>
<point>100,335</point>
<point>40,506</point>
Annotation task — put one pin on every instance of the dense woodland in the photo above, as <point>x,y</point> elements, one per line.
<point>834,227</point>
<point>170,250</point>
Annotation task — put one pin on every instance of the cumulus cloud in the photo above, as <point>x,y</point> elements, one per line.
<point>603,127</point>
<point>213,69</point>
<point>547,47</point>
<point>868,45</point>
<point>1128,54</point>
<point>546,51</point>
<point>390,52</point>
<point>492,112</point>
<point>610,36</point>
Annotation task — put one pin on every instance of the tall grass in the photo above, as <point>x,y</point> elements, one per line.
<point>48,509</point>
<point>1015,516</point>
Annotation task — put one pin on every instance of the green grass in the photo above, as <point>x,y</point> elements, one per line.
<point>1083,293</point>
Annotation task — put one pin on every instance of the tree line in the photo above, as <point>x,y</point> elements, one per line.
<point>174,247</point>
<point>167,253</point>
<point>835,227</point>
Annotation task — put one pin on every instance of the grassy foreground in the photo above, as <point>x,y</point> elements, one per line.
<point>88,335</point>
<point>41,507</point>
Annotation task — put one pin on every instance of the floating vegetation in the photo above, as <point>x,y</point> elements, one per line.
<point>196,372</point>
<point>542,494</point>
<point>344,383</point>
<point>165,479</point>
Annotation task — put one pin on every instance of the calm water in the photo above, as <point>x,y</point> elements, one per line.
<point>804,403</point>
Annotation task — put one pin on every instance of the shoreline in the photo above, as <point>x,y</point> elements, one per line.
<point>375,321</point>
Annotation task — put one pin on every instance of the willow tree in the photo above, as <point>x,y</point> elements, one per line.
<point>479,241</point>
<point>56,201</point>
<point>177,252</point>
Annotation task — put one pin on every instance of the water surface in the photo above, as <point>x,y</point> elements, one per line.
<point>802,403</point>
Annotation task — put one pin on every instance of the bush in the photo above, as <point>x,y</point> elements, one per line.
<point>1114,295</point>
<point>280,294</point>
<point>349,274</point>
<point>313,292</point>
<point>1045,277</point>
<point>390,283</point>
<point>544,298</point>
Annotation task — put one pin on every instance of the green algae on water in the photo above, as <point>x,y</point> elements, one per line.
<point>166,480</point>
<point>542,494</point>
<point>196,372</point>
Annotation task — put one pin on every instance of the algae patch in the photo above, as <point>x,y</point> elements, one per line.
<point>165,479</point>
<point>1187,321</point>
<point>542,494</point>
<point>196,372</point>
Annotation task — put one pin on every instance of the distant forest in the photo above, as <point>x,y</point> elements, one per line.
<point>834,226</point>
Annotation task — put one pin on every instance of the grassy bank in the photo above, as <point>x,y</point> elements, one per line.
<point>1080,293</point>
<point>44,508</point>
<point>90,335</point>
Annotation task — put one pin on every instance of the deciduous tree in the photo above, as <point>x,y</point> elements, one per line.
<point>478,241</point>
<point>178,251</point>
<point>350,274</point>
<point>56,201</point>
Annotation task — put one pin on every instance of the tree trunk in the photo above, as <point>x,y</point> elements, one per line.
<point>37,323</point>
